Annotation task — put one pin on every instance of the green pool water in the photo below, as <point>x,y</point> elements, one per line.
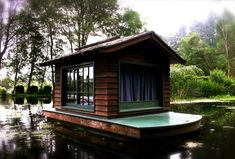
<point>166,119</point>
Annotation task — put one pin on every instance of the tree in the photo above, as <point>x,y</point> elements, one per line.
<point>6,83</point>
<point>197,52</point>
<point>206,30</point>
<point>32,39</point>
<point>174,40</point>
<point>44,26</point>
<point>17,57</point>
<point>7,25</point>
<point>49,17</point>
<point>85,17</point>
<point>128,23</point>
<point>226,39</point>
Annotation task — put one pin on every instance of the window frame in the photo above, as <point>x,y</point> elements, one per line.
<point>161,84</point>
<point>64,104</point>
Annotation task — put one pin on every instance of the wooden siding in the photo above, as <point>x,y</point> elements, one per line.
<point>57,92</point>
<point>166,87</point>
<point>106,86</point>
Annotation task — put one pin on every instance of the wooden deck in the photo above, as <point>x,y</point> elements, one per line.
<point>142,126</point>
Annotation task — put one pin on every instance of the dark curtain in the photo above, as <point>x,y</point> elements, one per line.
<point>138,83</point>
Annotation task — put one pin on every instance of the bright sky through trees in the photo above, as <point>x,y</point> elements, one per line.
<point>167,16</point>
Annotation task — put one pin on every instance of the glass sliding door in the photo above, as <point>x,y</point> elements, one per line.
<point>79,87</point>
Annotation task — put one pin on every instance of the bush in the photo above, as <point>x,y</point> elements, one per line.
<point>210,88</point>
<point>3,92</point>
<point>19,89</point>
<point>184,81</point>
<point>231,89</point>
<point>219,76</point>
<point>47,90</point>
<point>189,82</point>
<point>33,90</point>
<point>6,83</point>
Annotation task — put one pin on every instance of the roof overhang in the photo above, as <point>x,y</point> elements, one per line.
<point>115,44</point>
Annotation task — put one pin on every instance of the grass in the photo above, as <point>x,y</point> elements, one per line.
<point>224,98</point>
<point>214,98</point>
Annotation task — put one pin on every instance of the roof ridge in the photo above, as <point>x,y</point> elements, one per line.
<point>97,43</point>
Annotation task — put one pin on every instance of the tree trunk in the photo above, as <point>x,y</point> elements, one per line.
<point>16,72</point>
<point>30,76</point>
<point>227,48</point>
<point>1,55</point>
<point>5,31</point>
<point>51,55</point>
<point>43,78</point>
<point>228,56</point>
<point>32,62</point>
<point>15,81</point>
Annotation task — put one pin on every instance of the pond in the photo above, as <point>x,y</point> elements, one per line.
<point>25,134</point>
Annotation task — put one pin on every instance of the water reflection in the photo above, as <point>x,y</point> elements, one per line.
<point>19,100</point>
<point>32,100</point>
<point>25,134</point>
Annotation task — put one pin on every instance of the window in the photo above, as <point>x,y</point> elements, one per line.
<point>140,87</point>
<point>78,87</point>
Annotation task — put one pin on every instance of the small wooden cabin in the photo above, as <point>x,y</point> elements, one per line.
<point>112,79</point>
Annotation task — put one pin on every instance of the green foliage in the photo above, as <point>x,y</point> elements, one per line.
<point>3,92</point>
<point>189,82</point>
<point>210,44</point>
<point>33,90</point>
<point>8,24</point>
<point>209,88</point>
<point>197,52</point>
<point>81,18</point>
<point>44,28</point>
<point>219,77</point>
<point>225,28</point>
<point>19,89</point>
<point>46,90</point>
<point>6,82</point>
<point>183,80</point>
<point>129,23</point>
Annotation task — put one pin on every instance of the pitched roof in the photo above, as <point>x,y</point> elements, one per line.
<point>116,43</point>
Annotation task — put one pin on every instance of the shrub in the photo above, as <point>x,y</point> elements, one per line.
<point>19,89</point>
<point>6,83</point>
<point>231,89</point>
<point>189,82</point>
<point>47,90</point>
<point>33,90</point>
<point>184,81</point>
<point>219,76</point>
<point>3,91</point>
<point>210,88</point>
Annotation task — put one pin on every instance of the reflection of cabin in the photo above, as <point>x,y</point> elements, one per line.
<point>113,79</point>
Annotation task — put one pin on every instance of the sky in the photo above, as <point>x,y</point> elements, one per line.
<point>165,17</point>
